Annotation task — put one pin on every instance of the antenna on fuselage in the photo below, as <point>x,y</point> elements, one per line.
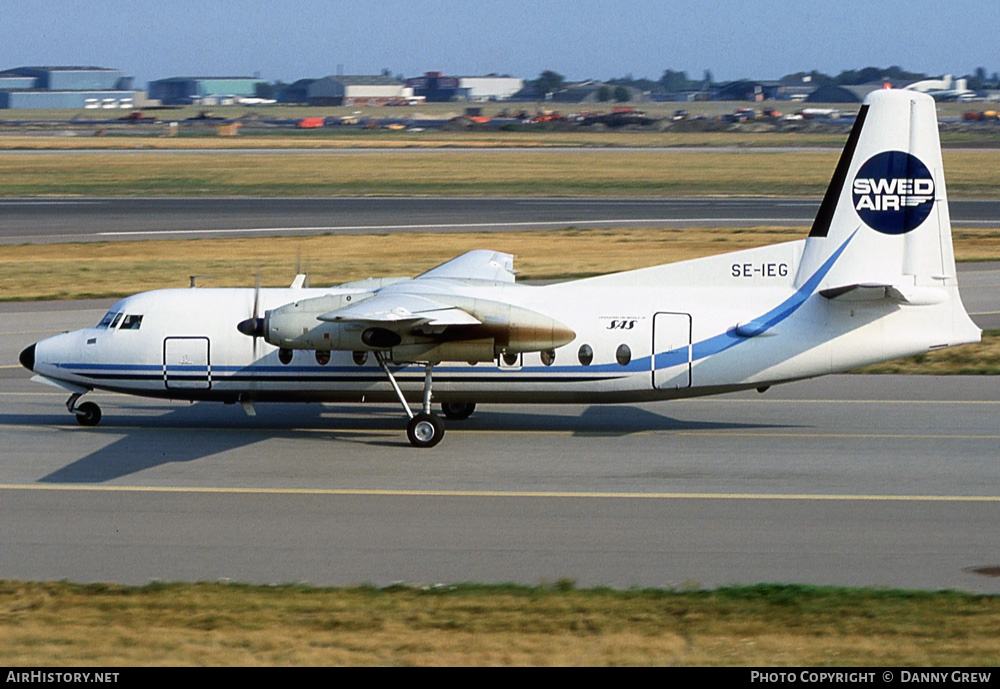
<point>193,278</point>
<point>304,281</point>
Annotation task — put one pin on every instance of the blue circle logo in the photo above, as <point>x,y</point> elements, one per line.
<point>893,192</point>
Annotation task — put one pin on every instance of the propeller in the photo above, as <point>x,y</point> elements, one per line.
<point>253,326</point>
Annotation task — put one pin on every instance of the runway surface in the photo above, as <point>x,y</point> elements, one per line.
<point>75,220</point>
<point>887,481</point>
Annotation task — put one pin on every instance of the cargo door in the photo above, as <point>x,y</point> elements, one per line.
<point>671,350</point>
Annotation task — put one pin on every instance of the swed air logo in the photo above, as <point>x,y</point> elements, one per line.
<point>893,192</point>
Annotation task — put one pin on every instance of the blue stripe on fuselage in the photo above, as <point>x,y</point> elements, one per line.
<point>728,339</point>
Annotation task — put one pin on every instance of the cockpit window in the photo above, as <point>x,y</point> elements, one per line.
<point>109,320</point>
<point>112,319</point>
<point>131,322</point>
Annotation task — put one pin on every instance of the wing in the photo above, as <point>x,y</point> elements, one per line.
<point>480,264</point>
<point>401,309</point>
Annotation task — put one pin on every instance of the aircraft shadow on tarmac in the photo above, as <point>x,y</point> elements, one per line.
<point>151,438</point>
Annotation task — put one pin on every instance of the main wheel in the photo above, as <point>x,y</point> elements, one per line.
<point>88,414</point>
<point>458,411</point>
<point>425,430</point>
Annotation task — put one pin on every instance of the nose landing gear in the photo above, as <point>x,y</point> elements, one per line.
<point>87,414</point>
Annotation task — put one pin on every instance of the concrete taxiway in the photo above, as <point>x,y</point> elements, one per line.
<point>76,220</point>
<point>887,481</point>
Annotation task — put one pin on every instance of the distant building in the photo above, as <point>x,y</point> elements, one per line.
<point>489,88</point>
<point>65,87</point>
<point>848,94</point>
<point>589,91</point>
<point>357,90</point>
<point>203,90</point>
<point>296,92</point>
<point>599,92</point>
<point>748,90</point>
<point>435,87</point>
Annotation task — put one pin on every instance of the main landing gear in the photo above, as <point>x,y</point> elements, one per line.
<point>458,411</point>
<point>424,428</point>
<point>87,414</point>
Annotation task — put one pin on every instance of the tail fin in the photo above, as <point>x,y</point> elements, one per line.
<point>886,210</point>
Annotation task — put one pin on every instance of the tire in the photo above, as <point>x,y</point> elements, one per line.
<point>88,414</point>
<point>425,430</point>
<point>458,411</point>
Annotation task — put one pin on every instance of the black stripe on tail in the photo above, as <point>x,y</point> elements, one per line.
<point>821,225</point>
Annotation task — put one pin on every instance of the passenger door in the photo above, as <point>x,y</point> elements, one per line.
<point>186,364</point>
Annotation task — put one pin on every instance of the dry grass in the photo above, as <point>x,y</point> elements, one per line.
<point>205,624</point>
<point>67,271</point>
<point>485,173</point>
<point>405,173</point>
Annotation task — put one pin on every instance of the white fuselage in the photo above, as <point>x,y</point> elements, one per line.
<point>699,327</point>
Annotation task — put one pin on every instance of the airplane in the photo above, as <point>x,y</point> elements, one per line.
<point>874,280</point>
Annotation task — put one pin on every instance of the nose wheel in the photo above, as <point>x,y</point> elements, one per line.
<point>424,429</point>
<point>87,414</point>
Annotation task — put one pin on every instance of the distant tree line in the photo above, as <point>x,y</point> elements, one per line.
<point>672,81</point>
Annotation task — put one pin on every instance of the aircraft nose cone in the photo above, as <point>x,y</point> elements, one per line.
<point>27,358</point>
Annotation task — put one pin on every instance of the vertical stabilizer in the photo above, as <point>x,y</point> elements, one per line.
<point>886,204</point>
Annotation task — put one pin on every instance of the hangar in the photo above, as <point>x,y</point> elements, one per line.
<point>850,93</point>
<point>202,90</point>
<point>435,87</point>
<point>347,90</point>
<point>65,87</point>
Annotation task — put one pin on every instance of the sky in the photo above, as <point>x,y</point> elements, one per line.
<point>581,39</point>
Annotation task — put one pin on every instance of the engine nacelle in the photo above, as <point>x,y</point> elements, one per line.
<point>501,328</point>
<point>297,325</point>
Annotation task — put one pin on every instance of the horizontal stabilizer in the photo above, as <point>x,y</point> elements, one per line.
<point>904,294</point>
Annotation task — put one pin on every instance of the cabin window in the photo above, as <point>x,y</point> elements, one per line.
<point>285,356</point>
<point>585,355</point>
<point>510,358</point>
<point>548,357</point>
<point>623,355</point>
<point>322,357</point>
<point>131,322</point>
<point>360,358</point>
